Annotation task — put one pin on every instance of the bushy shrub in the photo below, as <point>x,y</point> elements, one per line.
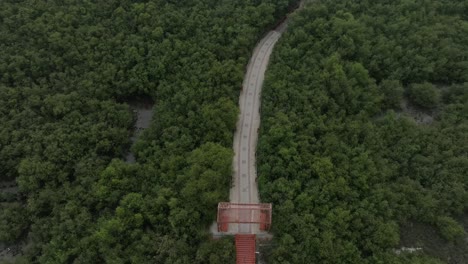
<point>449,228</point>
<point>424,94</point>
<point>393,93</point>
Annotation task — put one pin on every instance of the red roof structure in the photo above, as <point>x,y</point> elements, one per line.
<point>244,214</point>
<point>238,213</point>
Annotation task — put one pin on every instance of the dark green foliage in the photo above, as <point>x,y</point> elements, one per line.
<point>64,68</point>
<point>450,229</point>
<point>393,93</point>
<point>424,94</point>
<point>343,171</point>
<point>12,221</point>
<point>217,251</point>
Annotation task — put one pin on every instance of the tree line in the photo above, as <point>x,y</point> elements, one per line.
<point>66,70</point>
<point>339,157</point>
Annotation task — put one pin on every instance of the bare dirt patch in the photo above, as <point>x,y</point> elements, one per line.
<point>142,109</point>
<point>420,115</point>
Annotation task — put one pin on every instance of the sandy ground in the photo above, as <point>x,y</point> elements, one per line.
<point>244,188</point>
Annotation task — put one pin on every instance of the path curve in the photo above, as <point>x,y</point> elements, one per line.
<point>244,189</point>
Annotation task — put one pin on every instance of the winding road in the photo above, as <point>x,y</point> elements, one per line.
<point>244,188</point>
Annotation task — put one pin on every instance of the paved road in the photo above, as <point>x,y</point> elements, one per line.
<point>244,188</point>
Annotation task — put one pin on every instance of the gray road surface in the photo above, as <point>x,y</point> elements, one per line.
<point>244,188</point>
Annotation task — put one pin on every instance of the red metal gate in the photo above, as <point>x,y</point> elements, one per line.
<point>244,214</point>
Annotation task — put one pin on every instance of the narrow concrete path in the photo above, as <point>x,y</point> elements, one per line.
<point>244,188</point>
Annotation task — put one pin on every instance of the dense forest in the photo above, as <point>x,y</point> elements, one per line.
<point>365,130</point>
<point>66,71</point>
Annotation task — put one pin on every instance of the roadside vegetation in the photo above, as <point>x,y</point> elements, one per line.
<point>343,165</point>
<point>66,70</point>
